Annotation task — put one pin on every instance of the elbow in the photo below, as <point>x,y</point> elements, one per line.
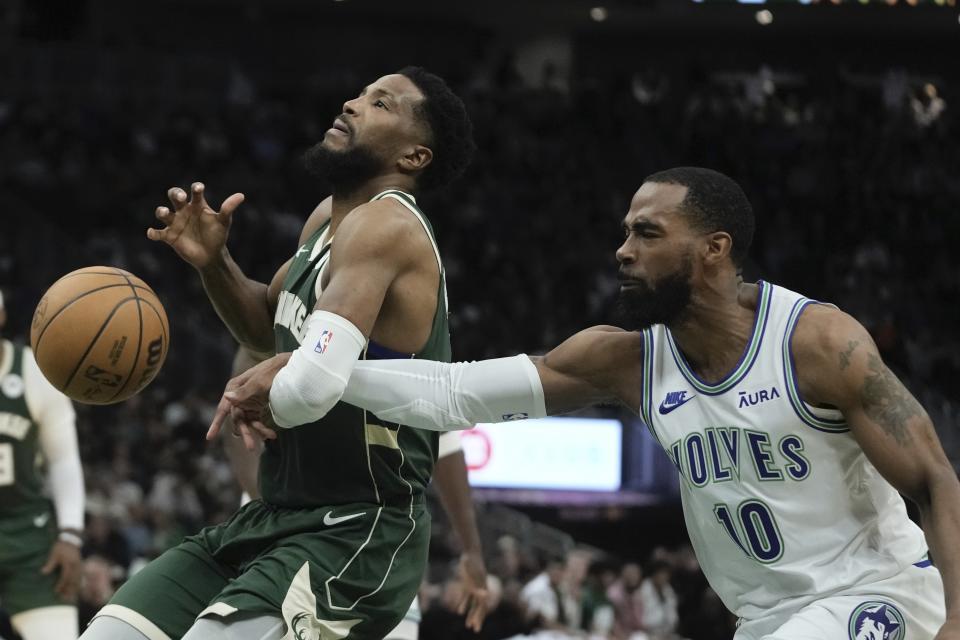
<point>298,398</point>
<point>940,480</point>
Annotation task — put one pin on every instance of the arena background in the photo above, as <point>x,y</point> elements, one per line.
<point>839,121</point>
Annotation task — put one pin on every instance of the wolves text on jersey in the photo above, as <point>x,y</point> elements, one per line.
<point>718,454</point>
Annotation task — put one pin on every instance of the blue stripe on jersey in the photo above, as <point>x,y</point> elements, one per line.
<point>376,351</point>
<point>747,358</point>
<point>827,425</point>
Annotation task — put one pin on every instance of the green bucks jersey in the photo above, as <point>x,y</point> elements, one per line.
<point>21,484</point>
<point>349,455</point>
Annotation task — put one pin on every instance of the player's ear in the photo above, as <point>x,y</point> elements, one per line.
<point>717,247</point>
<point>416,158</point>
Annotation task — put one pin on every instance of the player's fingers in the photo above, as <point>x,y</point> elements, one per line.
<point>164,215</point>
<point>266,433</point>
<point>223,410</point>
<point>478,612</point>
<point>229,206</point>
<point>50,565</point>
<point>67,583</point>
<point>177,197</point>
<point>249,441</point>
<point>197,198</point>
<point>156,235</point>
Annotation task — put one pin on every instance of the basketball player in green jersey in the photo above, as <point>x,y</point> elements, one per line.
<point>40,565</point>
<point>337,545</point>
<point>453,488</point>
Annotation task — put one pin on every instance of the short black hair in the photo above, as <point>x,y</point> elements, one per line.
<point>451,132</point>
<point>714,202</point>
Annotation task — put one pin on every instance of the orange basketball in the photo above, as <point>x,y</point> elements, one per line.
<point>100,335</point>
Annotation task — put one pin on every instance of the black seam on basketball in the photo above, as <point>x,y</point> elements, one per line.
<point>36,349</point>
<point>136,357</point>
<point>161,318</point>
<point>94,340</point>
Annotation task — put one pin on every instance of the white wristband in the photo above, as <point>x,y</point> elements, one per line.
<point>71,538</point>
<point>314,378</point>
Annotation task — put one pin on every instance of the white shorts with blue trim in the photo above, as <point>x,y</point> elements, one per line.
<point>908,606</point>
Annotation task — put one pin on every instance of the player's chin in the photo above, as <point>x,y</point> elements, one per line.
<point>335,140</point>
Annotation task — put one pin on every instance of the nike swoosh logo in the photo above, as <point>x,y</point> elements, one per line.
<point>665,408</point>
<point>41,520</point>
<point>329,520</point>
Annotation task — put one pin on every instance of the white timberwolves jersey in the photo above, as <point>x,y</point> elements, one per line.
<point>781,504</point>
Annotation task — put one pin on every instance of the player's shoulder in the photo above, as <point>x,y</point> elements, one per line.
<point>383,225</point>
<point>823,331</point>
<point>602,347</point>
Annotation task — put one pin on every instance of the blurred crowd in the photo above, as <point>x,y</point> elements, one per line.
<point>853,178</point>
<point>583,594</point>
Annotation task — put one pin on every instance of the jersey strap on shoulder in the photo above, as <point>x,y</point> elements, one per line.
<point>801,408</point>
<point>410,203</point>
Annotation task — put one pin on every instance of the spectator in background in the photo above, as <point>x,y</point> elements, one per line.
<point>543,599</point>
<point>659,602</point>
<point>597,612</point>
<point>624,594</point>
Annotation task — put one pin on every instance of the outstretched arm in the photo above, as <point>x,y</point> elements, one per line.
<point>598,365</point>
<point>839,364</point>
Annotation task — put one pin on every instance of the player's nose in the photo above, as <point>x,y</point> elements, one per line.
<point>350,107</point>
<point>625,255</point>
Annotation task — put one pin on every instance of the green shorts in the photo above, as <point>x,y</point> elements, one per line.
<point>25,542</point>
<point>349,571</point>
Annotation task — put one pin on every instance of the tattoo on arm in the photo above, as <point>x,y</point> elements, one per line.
<point>887,402</point>
<point>845,355</point>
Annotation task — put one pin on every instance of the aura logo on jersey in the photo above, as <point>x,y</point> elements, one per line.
<point>877,620</point>
<point>757,397</point>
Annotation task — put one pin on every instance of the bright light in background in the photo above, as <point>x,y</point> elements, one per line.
<point>764,17</point>
<point>598,14</point>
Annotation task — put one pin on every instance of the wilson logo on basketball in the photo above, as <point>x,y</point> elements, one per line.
<point>154,357</point>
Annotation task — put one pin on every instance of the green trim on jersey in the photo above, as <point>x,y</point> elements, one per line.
<point>750,355</point>
<point>790,379</point>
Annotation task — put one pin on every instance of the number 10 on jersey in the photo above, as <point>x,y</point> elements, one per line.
<point>753,528</point>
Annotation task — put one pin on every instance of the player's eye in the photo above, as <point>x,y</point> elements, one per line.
<point>380,104</point>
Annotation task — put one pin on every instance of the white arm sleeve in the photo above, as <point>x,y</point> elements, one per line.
<point>444,396</point>
<point>54,415</point>
<point>314,378</point>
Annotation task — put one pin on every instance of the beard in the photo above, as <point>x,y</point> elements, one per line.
<point>665,302</point>
<point>346,170</point>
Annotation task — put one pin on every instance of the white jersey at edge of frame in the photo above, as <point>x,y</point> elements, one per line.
<point>782,505</point>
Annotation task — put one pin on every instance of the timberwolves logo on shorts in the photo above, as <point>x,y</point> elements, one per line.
<point>876,621</point>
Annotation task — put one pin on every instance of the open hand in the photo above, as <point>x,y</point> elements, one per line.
<point>66,557</point>
<point>246,402</point>
<point>195,231</point>
<point>473,576</point>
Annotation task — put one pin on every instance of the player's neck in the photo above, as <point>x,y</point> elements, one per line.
<point>715,331</point>
<point>344,203</point>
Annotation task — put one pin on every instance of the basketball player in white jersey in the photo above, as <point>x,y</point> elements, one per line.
<point>40,538</point>
<point>790,434</point>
